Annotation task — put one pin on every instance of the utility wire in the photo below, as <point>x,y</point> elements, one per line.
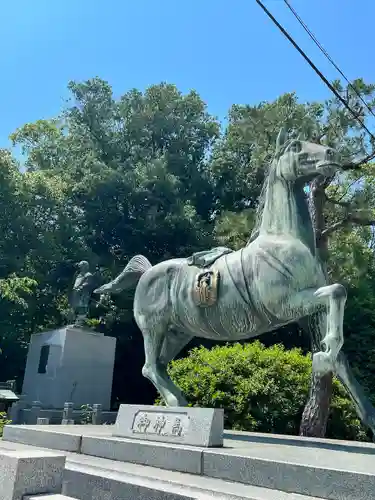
<point>321,76</point>
<point>322,49</point>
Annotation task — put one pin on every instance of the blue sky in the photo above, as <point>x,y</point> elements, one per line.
<point>229,52</point>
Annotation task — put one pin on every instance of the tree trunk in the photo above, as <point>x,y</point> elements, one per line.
<point>316,412</point>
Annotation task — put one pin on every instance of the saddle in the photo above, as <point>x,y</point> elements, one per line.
<point>206,285</point>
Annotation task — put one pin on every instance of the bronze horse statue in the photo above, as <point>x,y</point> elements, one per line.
<point>276,279</point>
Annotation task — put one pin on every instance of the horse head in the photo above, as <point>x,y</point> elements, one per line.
<point>301,159</point>
<point>282,208</point>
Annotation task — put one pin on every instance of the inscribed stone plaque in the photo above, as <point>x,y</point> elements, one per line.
<point>191,426</point>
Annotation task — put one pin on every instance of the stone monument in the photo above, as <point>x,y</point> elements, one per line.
<point>276,279</point>
<point>202,427</point>
<point>83,287</point>
<point>72,363</point>
<point>69,364</point>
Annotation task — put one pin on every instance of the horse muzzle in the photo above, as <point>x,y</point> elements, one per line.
<point>327,168</point>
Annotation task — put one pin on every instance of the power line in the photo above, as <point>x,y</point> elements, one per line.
<point>365,160</point>
<point>319,73</point>
<point>322,49</point>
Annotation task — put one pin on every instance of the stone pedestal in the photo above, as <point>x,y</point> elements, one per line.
<point>69,364</point>
<point>189,426</point>
<point>27,472</point>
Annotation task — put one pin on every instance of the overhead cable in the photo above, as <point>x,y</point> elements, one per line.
<point>322,49</point>
<point>322,77</point>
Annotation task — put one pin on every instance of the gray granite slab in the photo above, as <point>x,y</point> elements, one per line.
<point>27,472</point>
<point>43,437</point>
<point>48,497</point>
<point>283,466</point>
<point>162,455</point>
<point>128,479</point>
<point>300,441</point>
<point>190,426</point>
<point>97,478</point>
<point>324,473</point>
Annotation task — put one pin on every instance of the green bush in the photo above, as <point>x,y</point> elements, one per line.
<point>3,421</point>
<point>261,389</point>
<point>86,414</point>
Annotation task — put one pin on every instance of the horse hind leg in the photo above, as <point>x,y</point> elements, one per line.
<point>154,335</point>
<point>173,343</point>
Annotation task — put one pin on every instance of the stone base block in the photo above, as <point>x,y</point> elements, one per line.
<point>66,355</point>
<point>202,427</point>
<point>53,437</point>
<point>92,481</point>
<point>29,472</point>
<point>48,497</point>
<point>163,455</point>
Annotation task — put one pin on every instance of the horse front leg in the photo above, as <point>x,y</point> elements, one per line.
<point>304,303</point>
<point>332,359</point>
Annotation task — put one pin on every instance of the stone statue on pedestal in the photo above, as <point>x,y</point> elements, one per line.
<point>83,287</point>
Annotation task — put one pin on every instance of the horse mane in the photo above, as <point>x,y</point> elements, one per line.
<point>261,202</point>
<point>268,171</point>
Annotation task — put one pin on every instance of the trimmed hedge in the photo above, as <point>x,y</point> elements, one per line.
<point>261,389</point>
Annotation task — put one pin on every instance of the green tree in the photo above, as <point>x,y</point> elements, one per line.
<point>38,236</point>
<point>232,229</point>
<point>136,167</point>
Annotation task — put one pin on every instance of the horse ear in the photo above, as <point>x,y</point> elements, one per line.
<point>281,138</point>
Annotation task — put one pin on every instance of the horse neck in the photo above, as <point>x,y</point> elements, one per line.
<point>286,212</point>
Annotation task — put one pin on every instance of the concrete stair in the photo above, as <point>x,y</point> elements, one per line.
<point>47,497</point>
<point>249,466</point>
<point>96,478</point>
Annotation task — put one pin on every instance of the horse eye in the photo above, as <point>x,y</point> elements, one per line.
<point>296,147</point>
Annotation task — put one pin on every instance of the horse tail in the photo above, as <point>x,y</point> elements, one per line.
<point>129,277</point>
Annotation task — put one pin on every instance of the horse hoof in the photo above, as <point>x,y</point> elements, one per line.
<point>322,292</point>
<point>174,402</point>
<point>335,291</point>
<point>322,364</point>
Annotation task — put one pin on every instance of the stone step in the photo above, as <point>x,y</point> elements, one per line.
<point>48,497</point>
<point>326,469</point>
<point>92,478</point>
